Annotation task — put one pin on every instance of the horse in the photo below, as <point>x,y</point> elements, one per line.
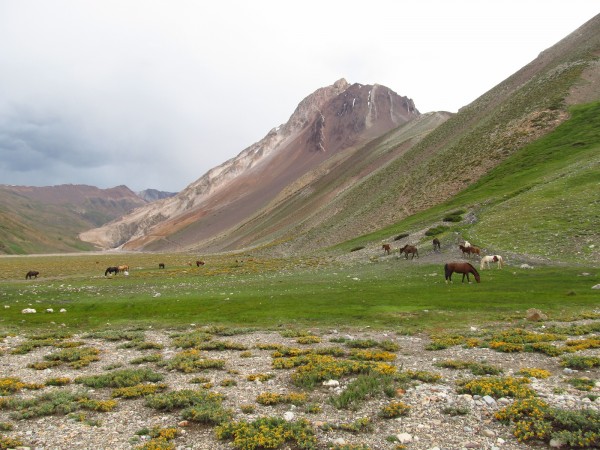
<point>436,245</point>
<point>111,269</point>
<point>161,265</point>
<point>460,267</point>
<point>470,250</point>
<point>199,263</point>
<point>31,274</point>
<point>386,249</point>
<point>486,260</point>
<point>123,268</point>
<point>409,249</point>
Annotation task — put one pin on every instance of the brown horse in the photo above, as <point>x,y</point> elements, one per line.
<point>460,267</point>
<point>436,245</point>
<point>31,274</point>
<point>387,249</point>
<point>123,268</point>
<point>470,250</point>
<point>161,265</point>
<point>111,269</point>
<point>199,263</point>
<point>409,249</point>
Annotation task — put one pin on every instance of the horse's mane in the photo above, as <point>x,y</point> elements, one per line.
<point>474,269</point>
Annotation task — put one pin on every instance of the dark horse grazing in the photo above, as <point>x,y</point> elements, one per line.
<point>112,269</point>
<point>161,265</point>
<point>386,249</point>
<point>470,250</point>
<point>32,274</point>
<point>409,249</point>
<point>436,245</point>
<point>199,263</point>
<point>460,267</point>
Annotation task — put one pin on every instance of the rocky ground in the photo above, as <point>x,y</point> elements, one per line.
<point>427,426</point>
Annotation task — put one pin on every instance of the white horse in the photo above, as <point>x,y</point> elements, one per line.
<point>486,260</point>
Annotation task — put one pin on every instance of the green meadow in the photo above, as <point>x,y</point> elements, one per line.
<point>393,294</point>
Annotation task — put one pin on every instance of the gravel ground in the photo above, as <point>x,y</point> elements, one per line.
<point>425,427</point>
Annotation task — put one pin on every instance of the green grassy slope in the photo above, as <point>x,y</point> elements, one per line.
<point>463,150</point>
<point>543,202</point>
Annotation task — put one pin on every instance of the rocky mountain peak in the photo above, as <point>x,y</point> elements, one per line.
<point>331,119</point>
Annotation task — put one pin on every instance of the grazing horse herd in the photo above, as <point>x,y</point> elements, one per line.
<point>462,267</point>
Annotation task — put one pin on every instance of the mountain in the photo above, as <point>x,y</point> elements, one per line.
<point>327,128</point>
<point>358,162</point>
<point>48,219</point>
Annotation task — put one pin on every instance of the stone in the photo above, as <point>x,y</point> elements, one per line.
<point>489,400</point>
<point>556,443</point>
<point>535,315</point>
<point>288,416</point>
<point>597,286</point>
<point>331,383</point>
<point>28,311</point>
<point>488,433</point>
<point>404,438</point>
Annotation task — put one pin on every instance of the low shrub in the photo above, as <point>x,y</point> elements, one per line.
<point>394,410</point>
<point>497,387</point>
<point>580,362</point>
<point>267,432</point>
<point>534,420</point>
<point>120,378</point>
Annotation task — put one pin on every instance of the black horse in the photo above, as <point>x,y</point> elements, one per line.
<point>32,274</point>
<point>161,265</point>
<point>437,246</point>
<point>112,269</point>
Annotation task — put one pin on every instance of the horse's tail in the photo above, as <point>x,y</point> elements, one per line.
<point>446,271</point>
<point>500,261</point>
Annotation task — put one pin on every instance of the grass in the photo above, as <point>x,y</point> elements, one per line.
<point>391,294</point>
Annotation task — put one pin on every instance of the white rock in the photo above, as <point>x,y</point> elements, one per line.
<point>49,310</point>
<point>489,400</point>
<point>339,441</point>
<point>597,286</point>
<point>331,383</point>
<point>28,311</point>
<point>404,438</point>
<point>63,310</point>
<point>288,416</point>
<point>526,266</point>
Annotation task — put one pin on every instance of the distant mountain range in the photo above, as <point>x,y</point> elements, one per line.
<point>48,219</point>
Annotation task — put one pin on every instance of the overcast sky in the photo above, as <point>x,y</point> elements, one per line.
<point>152,94</point>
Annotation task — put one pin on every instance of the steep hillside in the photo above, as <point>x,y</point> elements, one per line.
<point>48,219</point>
<point>326,128</point>
<point>525,107</point>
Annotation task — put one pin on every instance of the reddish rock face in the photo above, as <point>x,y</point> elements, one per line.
<point>333,119</point>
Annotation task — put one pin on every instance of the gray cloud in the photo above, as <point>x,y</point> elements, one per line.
<point>154,94</point>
